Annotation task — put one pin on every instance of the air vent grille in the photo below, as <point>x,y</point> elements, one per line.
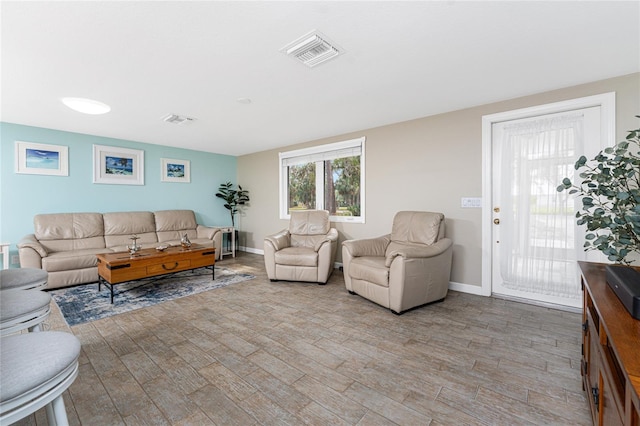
<point>312,49</point>
<point>178,119</point>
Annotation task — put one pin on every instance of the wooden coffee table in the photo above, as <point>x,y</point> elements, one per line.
<point>118,267</point>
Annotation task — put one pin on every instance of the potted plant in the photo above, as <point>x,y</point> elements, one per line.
<point>610,191</point>
<point>233,198</point>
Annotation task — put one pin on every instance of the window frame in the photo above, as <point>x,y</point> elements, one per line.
<point>315,151</point>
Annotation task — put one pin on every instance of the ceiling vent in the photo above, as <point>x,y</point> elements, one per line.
<point>178,119</point>
<point>312,49</point>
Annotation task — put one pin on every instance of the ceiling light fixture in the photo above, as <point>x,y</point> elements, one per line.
<point>312,49</point>
<point>86,106</point>
<point>245,101</point>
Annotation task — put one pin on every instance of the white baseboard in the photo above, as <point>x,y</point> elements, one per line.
<point>466,288</point>
<point>251,250</point>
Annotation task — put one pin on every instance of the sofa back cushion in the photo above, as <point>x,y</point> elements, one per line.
<point>69,231</point>
<point>120,226</point>
<point>171,225</point>
<point>308,227</point>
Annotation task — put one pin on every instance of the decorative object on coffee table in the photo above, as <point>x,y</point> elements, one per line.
<point>134,248</point>
<point>184,242</point>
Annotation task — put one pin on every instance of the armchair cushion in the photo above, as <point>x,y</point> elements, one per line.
<point>417,227</point>
<point>297,256</point>
<point>371,269</point>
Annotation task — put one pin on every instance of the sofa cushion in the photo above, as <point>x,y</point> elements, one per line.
<point>69,231</point>
<point>120,226</point>
<point>171,225</point>
<point>371,269</point>
<point>73,259</point>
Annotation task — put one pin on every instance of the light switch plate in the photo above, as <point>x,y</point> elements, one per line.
<point>471,203</point>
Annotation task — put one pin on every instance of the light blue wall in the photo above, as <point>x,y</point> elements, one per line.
<point>23,196</point>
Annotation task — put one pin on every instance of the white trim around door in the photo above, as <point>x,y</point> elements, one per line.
<point>605,101</point>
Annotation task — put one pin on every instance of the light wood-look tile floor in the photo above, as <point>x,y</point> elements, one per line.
<point>263,353</point>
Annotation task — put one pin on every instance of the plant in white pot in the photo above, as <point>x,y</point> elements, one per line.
<point>610,191</point>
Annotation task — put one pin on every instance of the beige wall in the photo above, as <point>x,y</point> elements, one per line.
<point>423,164</point>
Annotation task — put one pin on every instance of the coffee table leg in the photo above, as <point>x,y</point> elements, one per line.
<point>213,272</point>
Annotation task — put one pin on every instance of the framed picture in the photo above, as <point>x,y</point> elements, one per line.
<point>42,159</point>
<point>119,166</point>
<point>175,170</point>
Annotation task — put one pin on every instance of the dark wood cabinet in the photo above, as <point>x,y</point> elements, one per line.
<point>611,352</point>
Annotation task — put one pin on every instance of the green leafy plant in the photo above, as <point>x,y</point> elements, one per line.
<point>233,198</point>
<point>610,191</point>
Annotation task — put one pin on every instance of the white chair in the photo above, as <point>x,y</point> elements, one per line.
<point>35,369</point>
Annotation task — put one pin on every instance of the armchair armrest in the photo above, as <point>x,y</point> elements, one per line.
<point>368,246</point>
<point>280,240</point>
<point>331,237</point>
<point>419,251</point>
<point>31,242</point>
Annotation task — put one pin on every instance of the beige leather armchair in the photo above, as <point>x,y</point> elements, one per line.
<point>304,252</point>
<point>402,270</point>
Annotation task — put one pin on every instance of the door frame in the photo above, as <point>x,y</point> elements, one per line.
<point>607,104</point>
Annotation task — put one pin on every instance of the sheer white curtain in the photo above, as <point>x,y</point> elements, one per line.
<point>538,246</point>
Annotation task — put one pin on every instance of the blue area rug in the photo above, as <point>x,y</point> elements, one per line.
<point>85,303</point>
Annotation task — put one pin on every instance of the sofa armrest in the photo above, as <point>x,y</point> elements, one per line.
<point>206,231</point>
<point>31,242</point>
<point>419,251</point>
<point>368,246</point>
<point>31,252</point>
<point>331,237</point>
<point>280,240</point>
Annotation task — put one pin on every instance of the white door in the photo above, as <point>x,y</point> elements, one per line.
<point>535,242</point>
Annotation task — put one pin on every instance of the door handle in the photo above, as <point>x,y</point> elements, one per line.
<point>496,221</point>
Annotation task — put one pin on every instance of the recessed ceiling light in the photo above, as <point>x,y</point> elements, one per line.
<point>86,106</point>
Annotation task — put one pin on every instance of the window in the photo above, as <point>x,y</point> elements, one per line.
<point>327,177</point>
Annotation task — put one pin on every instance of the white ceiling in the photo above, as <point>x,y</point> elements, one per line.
<point>403,60</point>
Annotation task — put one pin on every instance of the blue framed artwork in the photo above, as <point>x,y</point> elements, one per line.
<point>119,166</point>
<point>41,159</point>
<point>175,170</point>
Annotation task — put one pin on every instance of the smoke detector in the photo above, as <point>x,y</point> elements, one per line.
<point>312,49</point>
<point>178,119</point>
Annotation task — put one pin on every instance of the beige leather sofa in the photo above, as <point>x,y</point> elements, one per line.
<point>402,270</point>
<point>65,244</point>
<point>306,251</point>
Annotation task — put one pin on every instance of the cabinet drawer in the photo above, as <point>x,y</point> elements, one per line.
<point>171,266</point>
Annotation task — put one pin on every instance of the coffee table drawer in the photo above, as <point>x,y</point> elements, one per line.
<point>170,266</point>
